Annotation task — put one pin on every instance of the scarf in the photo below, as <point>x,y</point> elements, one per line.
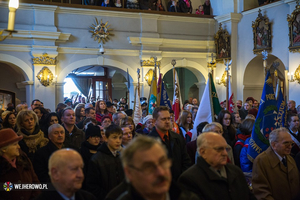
<point>33,140</point>
<point>187,3</point>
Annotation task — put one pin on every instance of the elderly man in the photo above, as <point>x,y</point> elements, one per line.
<point>275,174</point>
<point>74,136</point>
<point>117,117</point>
<point>56,135</point>
<point>212,177</point>
<point>65,170</point>
<point>174,143</point>
<point>147,169</point>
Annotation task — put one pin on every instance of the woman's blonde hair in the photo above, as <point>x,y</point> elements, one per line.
<point>21,115</point>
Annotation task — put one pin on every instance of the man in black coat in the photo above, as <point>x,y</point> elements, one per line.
<point>174,143</point>
<point>293,127</point>
<point>212,178</point>
<point>56,134</point>
<point>147,169</point>
<point>65,169</point>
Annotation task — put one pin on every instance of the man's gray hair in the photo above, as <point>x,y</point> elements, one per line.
<point>140,143</point>
<point>211,126</point>
<point>53,126</point>
<point>274,135</point>
<point>202,139</point>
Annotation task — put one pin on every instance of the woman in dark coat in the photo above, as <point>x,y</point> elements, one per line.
<point>10,121</point>
<point>225,119</point>
<point>15,167</point>
<point>90,146</point>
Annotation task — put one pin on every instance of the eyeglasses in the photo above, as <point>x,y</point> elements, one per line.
<point>96,138</point>
<point>220,149</point>
<point>287,144</point>
<point>151,168</point>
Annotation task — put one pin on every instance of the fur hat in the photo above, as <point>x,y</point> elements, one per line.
<point>147,118</point>
<point>92,131</point>
<point>8,136</point>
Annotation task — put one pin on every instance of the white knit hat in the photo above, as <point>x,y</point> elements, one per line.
<point>147,118</point>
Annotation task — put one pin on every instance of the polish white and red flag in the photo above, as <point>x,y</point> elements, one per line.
<point>177,103</point>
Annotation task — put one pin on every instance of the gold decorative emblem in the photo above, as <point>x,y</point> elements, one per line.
<point>297,74</point>
<point>149,76</point>
<point>100,31</point>
<point>150,63</point>
<point>44,59</point>
<point>45,76</point>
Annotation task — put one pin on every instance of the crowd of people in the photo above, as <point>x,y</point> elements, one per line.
<point>94,150</point>
<point>183,6</point>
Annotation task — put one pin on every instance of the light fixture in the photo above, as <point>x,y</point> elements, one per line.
<point>45,76</point>
<point>223,79</point>
<point>296,75</point>
<point>291,77</point>
<point>13,6</point>
<point>149,76</point>
<point>211,64</point>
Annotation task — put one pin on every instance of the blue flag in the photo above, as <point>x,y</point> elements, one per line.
<point>164,98</point>
<point>281,107</point>
<point>265,122</point>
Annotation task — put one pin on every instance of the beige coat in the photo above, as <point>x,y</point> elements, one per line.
<point>272,180</point>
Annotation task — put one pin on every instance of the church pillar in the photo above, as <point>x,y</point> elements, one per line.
<point>43,92</point>
<point>201,87</point>
<point>29,91</point>
<point>230,21</point>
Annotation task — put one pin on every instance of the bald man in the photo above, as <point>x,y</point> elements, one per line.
<point>65,170</point>
<point>212,173</point>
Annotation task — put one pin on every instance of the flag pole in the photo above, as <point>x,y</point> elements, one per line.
<point>173,63</point>
<point>227,63</point>
<point>264,53</point>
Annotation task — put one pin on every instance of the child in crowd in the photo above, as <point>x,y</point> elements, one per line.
<point>105,169</point>
<point>200,11</point>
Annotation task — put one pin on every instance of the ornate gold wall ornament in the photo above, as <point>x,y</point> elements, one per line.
<point>294,29</point>
<point>45,76</point>
<point>100,31</point>
<point>150,63</point>
<point>44,59</point>
<point>149,76</point>
<point>261,34</point>
<point>222,42</point>
<point>297,74</point>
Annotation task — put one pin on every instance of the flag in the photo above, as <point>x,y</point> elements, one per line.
<point>209,106</point>
<point>153,94</point>
<point>281,107</point>
<point>128,91</point>
<point>177,103</point>
<point>137,114</point>
<point>231,105</point>
<point>159,89</point>
<point>265,122</point>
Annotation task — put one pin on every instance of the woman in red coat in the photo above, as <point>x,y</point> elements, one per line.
<point>15,167</point>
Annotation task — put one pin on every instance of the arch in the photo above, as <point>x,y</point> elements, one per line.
<point>193,66</point>
<point>20,64</point>
<point>254,75</point>
<point>97,61</point>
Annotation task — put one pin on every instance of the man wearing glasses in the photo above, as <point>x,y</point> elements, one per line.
<point>147,169</point>
<point>275,174</point>
<point>212,177</point>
